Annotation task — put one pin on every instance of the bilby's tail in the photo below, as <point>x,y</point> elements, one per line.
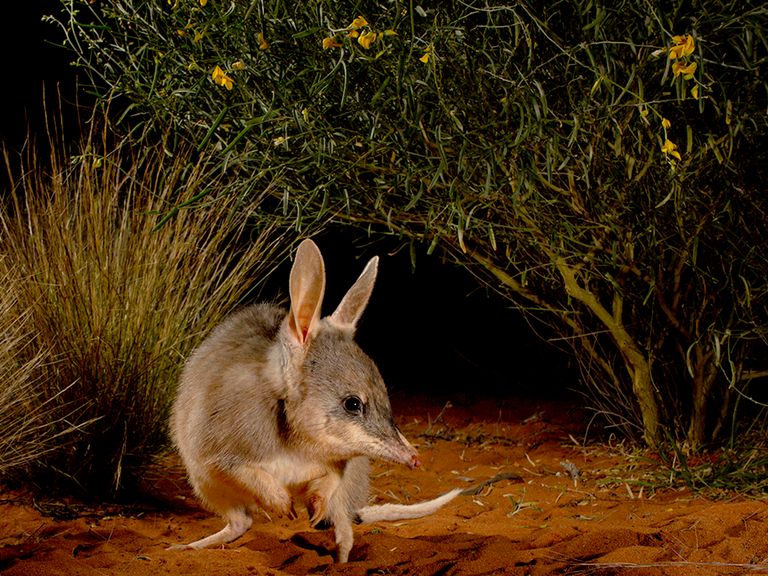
<point>404,511</point>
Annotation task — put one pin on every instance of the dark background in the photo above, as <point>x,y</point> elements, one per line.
<point>431,328</point>
<point>33,71</point>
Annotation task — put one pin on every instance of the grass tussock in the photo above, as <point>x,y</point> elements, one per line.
<point>101,305</point>
<point>28,422</point>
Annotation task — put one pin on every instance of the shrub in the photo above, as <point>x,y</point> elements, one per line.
<point>102,305</point>
<point>600,166</point>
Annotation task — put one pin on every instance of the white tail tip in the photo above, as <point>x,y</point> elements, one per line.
<point>389,512</point>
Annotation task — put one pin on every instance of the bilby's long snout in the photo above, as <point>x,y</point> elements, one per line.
<point>408,454</point>
<point>394,447</point>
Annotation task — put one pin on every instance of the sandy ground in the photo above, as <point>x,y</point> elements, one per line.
<point>556,510</point>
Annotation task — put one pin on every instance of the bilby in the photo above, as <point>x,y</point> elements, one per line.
<point>277,408</point>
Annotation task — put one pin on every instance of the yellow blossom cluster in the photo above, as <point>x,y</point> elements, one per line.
<point>683,65</point>
<point>360,30</point>
<point>427,55</point>
<point>219,77</point>
<point>222,78</point>
<point>670,148</point>
<point>681,50</point>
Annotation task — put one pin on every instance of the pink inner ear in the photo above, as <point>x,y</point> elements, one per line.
<point>303,327</point>
<point>302,321</point>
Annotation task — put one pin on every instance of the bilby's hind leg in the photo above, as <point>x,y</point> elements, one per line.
<point>350,495</point>
<point>233,493</point>
<point>238,522</point>
<point>342,525</point>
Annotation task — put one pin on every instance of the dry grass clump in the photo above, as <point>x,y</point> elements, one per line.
<point>28,426</point>
<point>101,305</point>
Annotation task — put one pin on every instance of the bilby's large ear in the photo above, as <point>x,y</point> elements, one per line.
<point>306,286</point>
<point>353,304</point>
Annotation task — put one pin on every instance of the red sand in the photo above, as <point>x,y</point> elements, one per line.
<point>542,523</point>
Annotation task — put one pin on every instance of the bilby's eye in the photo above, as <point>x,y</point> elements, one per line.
<point>353,405</point>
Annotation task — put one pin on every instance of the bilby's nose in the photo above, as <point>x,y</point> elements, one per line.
<point>412,457</point>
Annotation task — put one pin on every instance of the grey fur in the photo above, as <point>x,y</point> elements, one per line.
<point>276,408</point>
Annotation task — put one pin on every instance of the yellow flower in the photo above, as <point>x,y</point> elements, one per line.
<point>427,54</point>
<point>203,2</point>
<point>665,123</point>
<point>687,70</point>
<point>670,148</point>
<point>238,65</point>
<point>330,42</point>
<point>695,92</point>
<point>353,34</point>
<point>358,22</point>
<point>366,39</point>
<point>683,46</point>
<point>220,78</point>
<point>263,44</point>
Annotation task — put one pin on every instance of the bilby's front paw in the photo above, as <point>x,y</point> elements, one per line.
<point>281,504</point>
<point>317,508</point>
<point>286,509</point>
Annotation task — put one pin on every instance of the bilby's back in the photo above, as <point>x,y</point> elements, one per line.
<point>226,393</point>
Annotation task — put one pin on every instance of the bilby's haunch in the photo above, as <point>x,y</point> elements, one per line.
<point>279,408</point>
